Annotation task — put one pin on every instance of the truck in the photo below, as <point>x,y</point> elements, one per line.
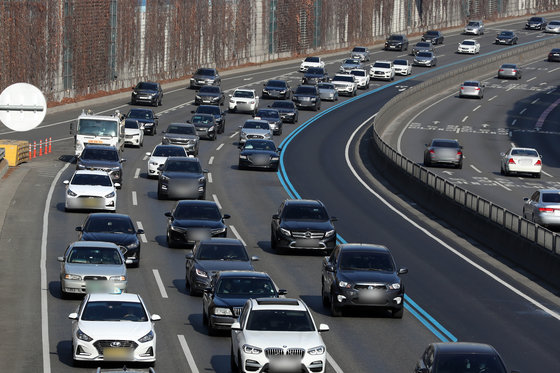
<point>99,130</point>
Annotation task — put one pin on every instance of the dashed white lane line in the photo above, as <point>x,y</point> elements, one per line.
<point>465,119</point>
<point>503,186</point>
<point>188,354</point>
<point>476,169</point>
<point>491,98</point>
<point>220,146</point>
<point>137,173</point>
<point>215,198</point>
<point>211,160</point>
<point>237,235</point>
<point>478,107</point>
<point>535,101</point>
<point>134,199</point>
<point>533,78</point>
<point>522,111</point>
<point>333,364</point>
<point>143,235</point>
<point>547,174</point>
<point>553,70</point>
<point>159,283</point>
<point>145,157</point>
<point>513,122</point>
<point>209,177</point>
<point>458,130</point>
<point>234,134</point>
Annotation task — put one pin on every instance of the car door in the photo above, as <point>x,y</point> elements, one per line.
<point>531,205</point>
<point>276,219</point>
<point>237,336</point>
<point>329,277</point>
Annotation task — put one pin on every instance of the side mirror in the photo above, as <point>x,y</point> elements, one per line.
<point>168,214</point>
<point>148,154</point>
<point>207,290</point>
<point>323,328</point>
<point>236,326</point>
<point>73,316</point>
<point>140,231</point>
<point>282,292</point>
<point>60,259</point>
<point>255,258</point>
<point>78,229</point>
<point>155,117</point>
<point>66,182</point>
<point>189,256</point>
<point>226,216</point>
<point>204,171</point>
<point>129,261</point>
<point>525,199</point>
<point>403,271</point>
<point>230,95</point>
<point>118,185</point>
<point>122,160</point>
<point>329,268</point>
<point>192,111</point>
<point>502,154</point>
<point>160,167</point>
<point>155,317</point>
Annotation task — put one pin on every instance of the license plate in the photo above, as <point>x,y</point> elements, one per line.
<point>99,286</point>
<point>285,364</point>
<point>371,296</point>
<point>95,142</point>
<point>92,202</point>
<point>116,353</point>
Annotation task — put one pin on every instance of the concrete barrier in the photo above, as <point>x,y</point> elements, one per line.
<point>534,248</point>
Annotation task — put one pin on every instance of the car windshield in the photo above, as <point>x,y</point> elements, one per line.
<point>302,212</point>
<point>554,23</point>
<point>205,72</point>
<point>468,363</point>
<point>366,261</point>
<point>202,119</point>
<point>280,321</point>
<point>245,287</point>
<point>147,86</point>
<point>208,109</point>
<point>94,255</point>
<point>326,86</point>
<point>396,37</point>
<point>383,65</point>
<point>423,45</point>
<point>358,72</point>
<point>470,84</point>
<point>209,89</point>
<point>468,42</point>
<point>525,152</point>
<point>551,197</point>
<point>259,145</point>
<point>535,19</point>
<point>253,124</point>
<point>424,54</point>
<point>312,59</point>
<point>473,24</point>
<point>305,90</point>
<point>182,130</point>
<point>197,212</point>
<point>268,113</point>
<point>359,49</point>
<point>140,114</point>
<point>131,124</point>
<point>283,104</point>
<point>244,94</point>
<point>400,62</point>
<point>179,165</point>
<point>109,155</point>
<point>432,33</point>
<point>342,78</point>
<point>506,33</point>
<point>109,225</point>
<point>444,144</point>
<point>169,151</point>
<point>276,83</point>
<point>315,71</point>
<point>114,311</point>
<point>351,62</point>
<point>91,179</point>
<point>210,251</point>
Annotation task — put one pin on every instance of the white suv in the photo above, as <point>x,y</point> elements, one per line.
<point>362,78</point>
<point>277,334</point>
<point>382,70</point>
<point>345,84</point>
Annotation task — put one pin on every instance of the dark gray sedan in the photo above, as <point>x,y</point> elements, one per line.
<point>445,152</point>
<point>506,37</point>
<point>181,178</point>
<point>259,154</point>
<point>509,70</point>
<point>209,95</point>
<point>425,59</point>
<point>422,46</point>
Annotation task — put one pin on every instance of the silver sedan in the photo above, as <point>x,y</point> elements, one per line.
<point>444,151</point>
<point>425,59</point>
<point>472,88</point>
<point>509,70</point>
<point>328,92</point>
<point>543,207</point>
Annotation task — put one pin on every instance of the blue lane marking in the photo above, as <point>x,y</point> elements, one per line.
<point>411,306</point>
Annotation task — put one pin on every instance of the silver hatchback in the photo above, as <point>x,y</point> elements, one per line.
<point>472,88</point>
<point>543,207</point>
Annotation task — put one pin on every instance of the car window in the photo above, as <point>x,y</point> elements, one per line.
<point>209,72</point>
<point>468,363</point>
<point>202,119</point>
<point>208,109</point>
<point>383,65</point>
<point>358,49</point>
<point>182,130</point>
<point>91,179</point>
<point>468,42</point>
<point>424,54</point>
<point>94,255</point>
<point>254,287</point>
<point>256,125</point>
<point>114,311</point>
<point>259,145</point>
<point>243,94</point>
<point>209,251</point>
<point>276,83</point>
<point>131,124</point>
<point>524,152</point>
<point>169,151</point>
<point>147,86</point>
<point>140,114</point>
<point>209,89</point>
<point>312,59</point>
<point>366,261</point>
<point>400,62</point>
<point>197,212</point>
<point>280,320</point>
<point>343,78</point>
<point>445,144</point>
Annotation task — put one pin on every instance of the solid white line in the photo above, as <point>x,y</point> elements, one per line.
<point>478,107</point>
<point>215,198</point>
<point>159,283</point>
<point>211,160</point>
<point>476,169</point>
<point>234,134</point>
<point>44,283</point>
<point>137,173</point>
<point>220,146</point>
<point>533,78</point>
<point>465,119</point>
<point>143,235</point>
<point>209,177</point>
<point>188,354</point>
<point>333,364</point>
<point>437,239</point>
<point>522,111</point>
<point>546,173</point>
<point>237,235</point>
<point>491,98</point>
<point>535,101</point>
<point>134,199</point>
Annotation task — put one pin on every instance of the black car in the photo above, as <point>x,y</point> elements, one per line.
<point>287,109</point>
<point>190,221</point>
<point>181,178</point>
<point>302,224</point>
<point>396,42</point>
<point>259,154</point>
<point>211,256</point>
<point>362,276</point>
<point>209,95</point>
<point>276,89</point>
<point>315,75</point>
<point>147,92</point>
<point>554,55</point>
<point>115,228</point>
<point>218,114</point>
<point>460,357</point>
<point>307,96</point>
<point>506,37</point>
<point>536,23</point>
<point>433,36</point>
<point>272,116</point>
<point>205,76</point>
<point>205,125</point>
<point>102,158</point>
<point>146,118</point>
<point>224,299</point>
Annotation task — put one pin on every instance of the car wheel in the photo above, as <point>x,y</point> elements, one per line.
<point>170,242</point>
<point>233,364</point>
<point>460,165</point>
<point>397,313</point>
<point>211,330</point>
<point>154,131</point>
<point>427,162</point>
<point>335,310</point>
<point>192,290</point>
<point>273,243</point>
<point>215,136</point>
<point>324,295</point>
<point>203,196</point>
<point>537,175</point>
<point>502,172</point>
<point>160,195</point>
<point>280,131</point>
<point>63,294</point>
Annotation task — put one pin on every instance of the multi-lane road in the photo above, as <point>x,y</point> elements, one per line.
<point>455,291</point>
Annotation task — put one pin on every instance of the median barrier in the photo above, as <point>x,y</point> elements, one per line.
<point>16,151</point>
<point>529,245</point>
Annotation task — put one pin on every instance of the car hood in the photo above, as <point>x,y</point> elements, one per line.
<point>243,99</point>
<point>208,94</point>
<point>254,131</point>
<point>214,266</point>
<point>122,239</point>
<point>203,125</point>
<point>355,276</point>
<point>304,95</point>
<point>144,120</point>
<point>181,175</point>
<point>284,110</point>
<point>200,76</point>
<point>99,163</point>
<point>307,225</point>
<point>314,76</point>
<point>503,37</point>
<point>264,152</point>
<point>145,91</point>
<point>210,224</point>
<point>230,302</point>
<point>95,269</point>
<point>274,88</point>
<point>132,131</point>
<point>280,339</point>
<point>180,136</point>
<point>159,160</point>
<point>120,330</point>
<point>92,190</point>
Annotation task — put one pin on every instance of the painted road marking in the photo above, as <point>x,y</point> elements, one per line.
<point>188,354</point>
<point>237,235</point>
<point>491,98</point>
<point>513,122</point>
<point>234,134</point>
<point>535,101</point>
<point>211,160</point>
<point>134,199</point>
<point>533,78</point>
<point>209,177</point>
<point>143,235</point>
<point>478,107</point>
<point>546,173</point>
<point>522,111</point>
<point>476,169</point>
<point>545,114</point>
<point>503,186</point>
<point>220,146</point>
<point>215,198</point>
<point>550,71</point>
<point>137,173</point>
<point>465,119</point>
<point>159,283</point>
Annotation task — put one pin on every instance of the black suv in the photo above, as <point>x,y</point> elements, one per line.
<point>536,23</point>
<point>148,92</point>
<point>205,76</point>
<point>218,114</point>
<point>103,158</point>
<point>302,224</point>
<point>433,36</point>
<point>276,89</point>
<point>287,109</point>
<point>205,125</point>
<point>396,42</point>
<point>209,95</point>
<point>145,117</point>
<point>362,276</point>
<point>307,96</point>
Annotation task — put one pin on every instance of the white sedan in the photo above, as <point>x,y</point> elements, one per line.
<point>160,154</point>
<point>402,67</point>
<point>469,46</point>
<point>521,160</point>
<point>244,100</point>
<point>311,61</point>
<point>113,327</point>
<point>91,190</point>
<point>133,133</point>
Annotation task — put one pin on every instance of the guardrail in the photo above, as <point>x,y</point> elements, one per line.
<point>530,245</point>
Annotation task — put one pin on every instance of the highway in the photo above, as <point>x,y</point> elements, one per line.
<point>455,289</point>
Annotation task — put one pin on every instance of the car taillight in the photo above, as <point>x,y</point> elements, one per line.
<point>477,89</point>
<point>459,152</point>
<point>511,161</point>
<point>462,87</point>
<point>514,71</point>
<point>538,162</point>
<point>432,151</point>
<point>501,69</point>
<point>546,209</point>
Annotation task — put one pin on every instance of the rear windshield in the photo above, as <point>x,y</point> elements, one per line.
<point>470,84</point>
<point>445,144</point>
<point>525,152</point>
<point>551,197</point>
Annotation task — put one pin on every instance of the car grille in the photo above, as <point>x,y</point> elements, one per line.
<point>86,197</point>
<point>371,286</point>
<point>181,141</point>
<point>307,234</point>
<point>255,136</point>
<point>95,278</point>
<point>237,311</point>
<point>277,351</point>
<point>101,344</point>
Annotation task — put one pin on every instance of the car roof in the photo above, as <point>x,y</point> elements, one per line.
<point>102,146</point>
<point>90,172</point>
<point>364,247</point>
<point>222,241</point>
<point>106,215</point>
<point>94,243</point>
<point>183,159</point>
<point>549,190</point>
<point>463,347</point>
<point>195,202</point>
<point>520,148</point>
<point>278,303</point>
<point>469,40</point>
<point>244,90</point>
<point>244,274</point>
<point>256,120</point>
<point>123,297</point>
<point>383,61</point>
<point>165,146</point>
<point>303,202</point>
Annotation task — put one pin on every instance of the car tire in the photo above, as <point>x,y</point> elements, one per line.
<point>154,131</point>
<point>170,242</point>
<point>211,330</point>
<point>537,175</point>
<point>397,313</point>
<point>273,243</point>
<point>160,195</point>
<point>502,172</point>
<point>192,291</point>
<point>324,296</point>
<point>240,166</point>
<point>460,165</point>
<point>233,364</point>
<point>335,311</point>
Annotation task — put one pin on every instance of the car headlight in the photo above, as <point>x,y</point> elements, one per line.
<point>241,156</point>
<point>313,98</point>
<point>133,245</point>
<point>330,233</point>
<point>395,286</point>
<point>344,285</point>
<point>81,166</point>
<point>134,93</point>
<point>201,180</point>
<point>163,177</point>
<point>201,273</point>
<point>211,129</point>
<point>248,349</point>
<point>319,350</point>
<point>83,336</point>
<point>283,91</point>
<point>154,164</point>
<point>117,278</point>
<point>70,193</point>
<point>267,135</point>
<point>177,229</point>
<point>218,230</point>
<point>69,276</point>
<point>243,135</point>
<point>275,158</point>
<point>148,337</point>
<point>220,311</point>
<point>285,232</point>
<point>110,195</point>
<point>265,90</point>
